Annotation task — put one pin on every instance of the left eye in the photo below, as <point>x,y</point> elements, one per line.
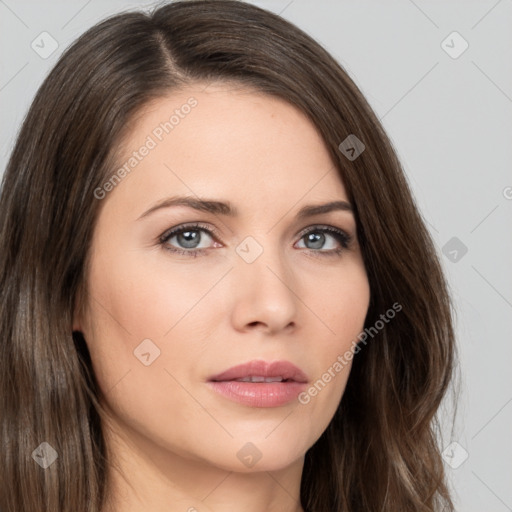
<point>317,238</point>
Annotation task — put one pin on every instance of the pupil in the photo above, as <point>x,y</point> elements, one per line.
<point>189,239</point>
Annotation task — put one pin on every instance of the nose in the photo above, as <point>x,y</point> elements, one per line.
<point>263,294</point>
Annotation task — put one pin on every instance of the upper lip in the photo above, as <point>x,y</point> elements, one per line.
<point>284,369</point>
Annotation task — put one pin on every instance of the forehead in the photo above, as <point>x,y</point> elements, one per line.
<point>227,141</point>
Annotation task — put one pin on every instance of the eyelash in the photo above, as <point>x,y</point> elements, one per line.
<point>341,236</point>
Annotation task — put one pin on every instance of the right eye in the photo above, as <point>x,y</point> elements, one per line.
<point>188,237</point>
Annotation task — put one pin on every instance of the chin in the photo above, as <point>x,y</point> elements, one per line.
<point>259,454</point>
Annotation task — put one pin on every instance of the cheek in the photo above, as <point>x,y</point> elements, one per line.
<point>135,301</point>
<point>340,302</point>
<point>341,306</point>
<point>151,298</point>
<point>147,297</point>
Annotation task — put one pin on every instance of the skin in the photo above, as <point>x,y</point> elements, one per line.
<point>174,441</point>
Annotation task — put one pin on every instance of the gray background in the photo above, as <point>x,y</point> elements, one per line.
<point>450,120</point>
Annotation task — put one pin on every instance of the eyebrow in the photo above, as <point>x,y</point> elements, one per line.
<point>227,209</point>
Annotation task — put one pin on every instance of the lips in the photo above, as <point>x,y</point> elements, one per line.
<point>261,371</point>
<point>260,384</point>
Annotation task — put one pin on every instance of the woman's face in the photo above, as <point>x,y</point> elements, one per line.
<point>168,313</point>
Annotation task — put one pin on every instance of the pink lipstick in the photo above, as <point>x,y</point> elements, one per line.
<point>260,384</point>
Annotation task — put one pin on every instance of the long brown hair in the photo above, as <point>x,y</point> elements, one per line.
<point>380,452</point>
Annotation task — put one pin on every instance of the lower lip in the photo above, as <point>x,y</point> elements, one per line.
<point>259,394</point>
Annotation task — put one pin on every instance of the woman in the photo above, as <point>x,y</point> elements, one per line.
<point>217,290</point>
